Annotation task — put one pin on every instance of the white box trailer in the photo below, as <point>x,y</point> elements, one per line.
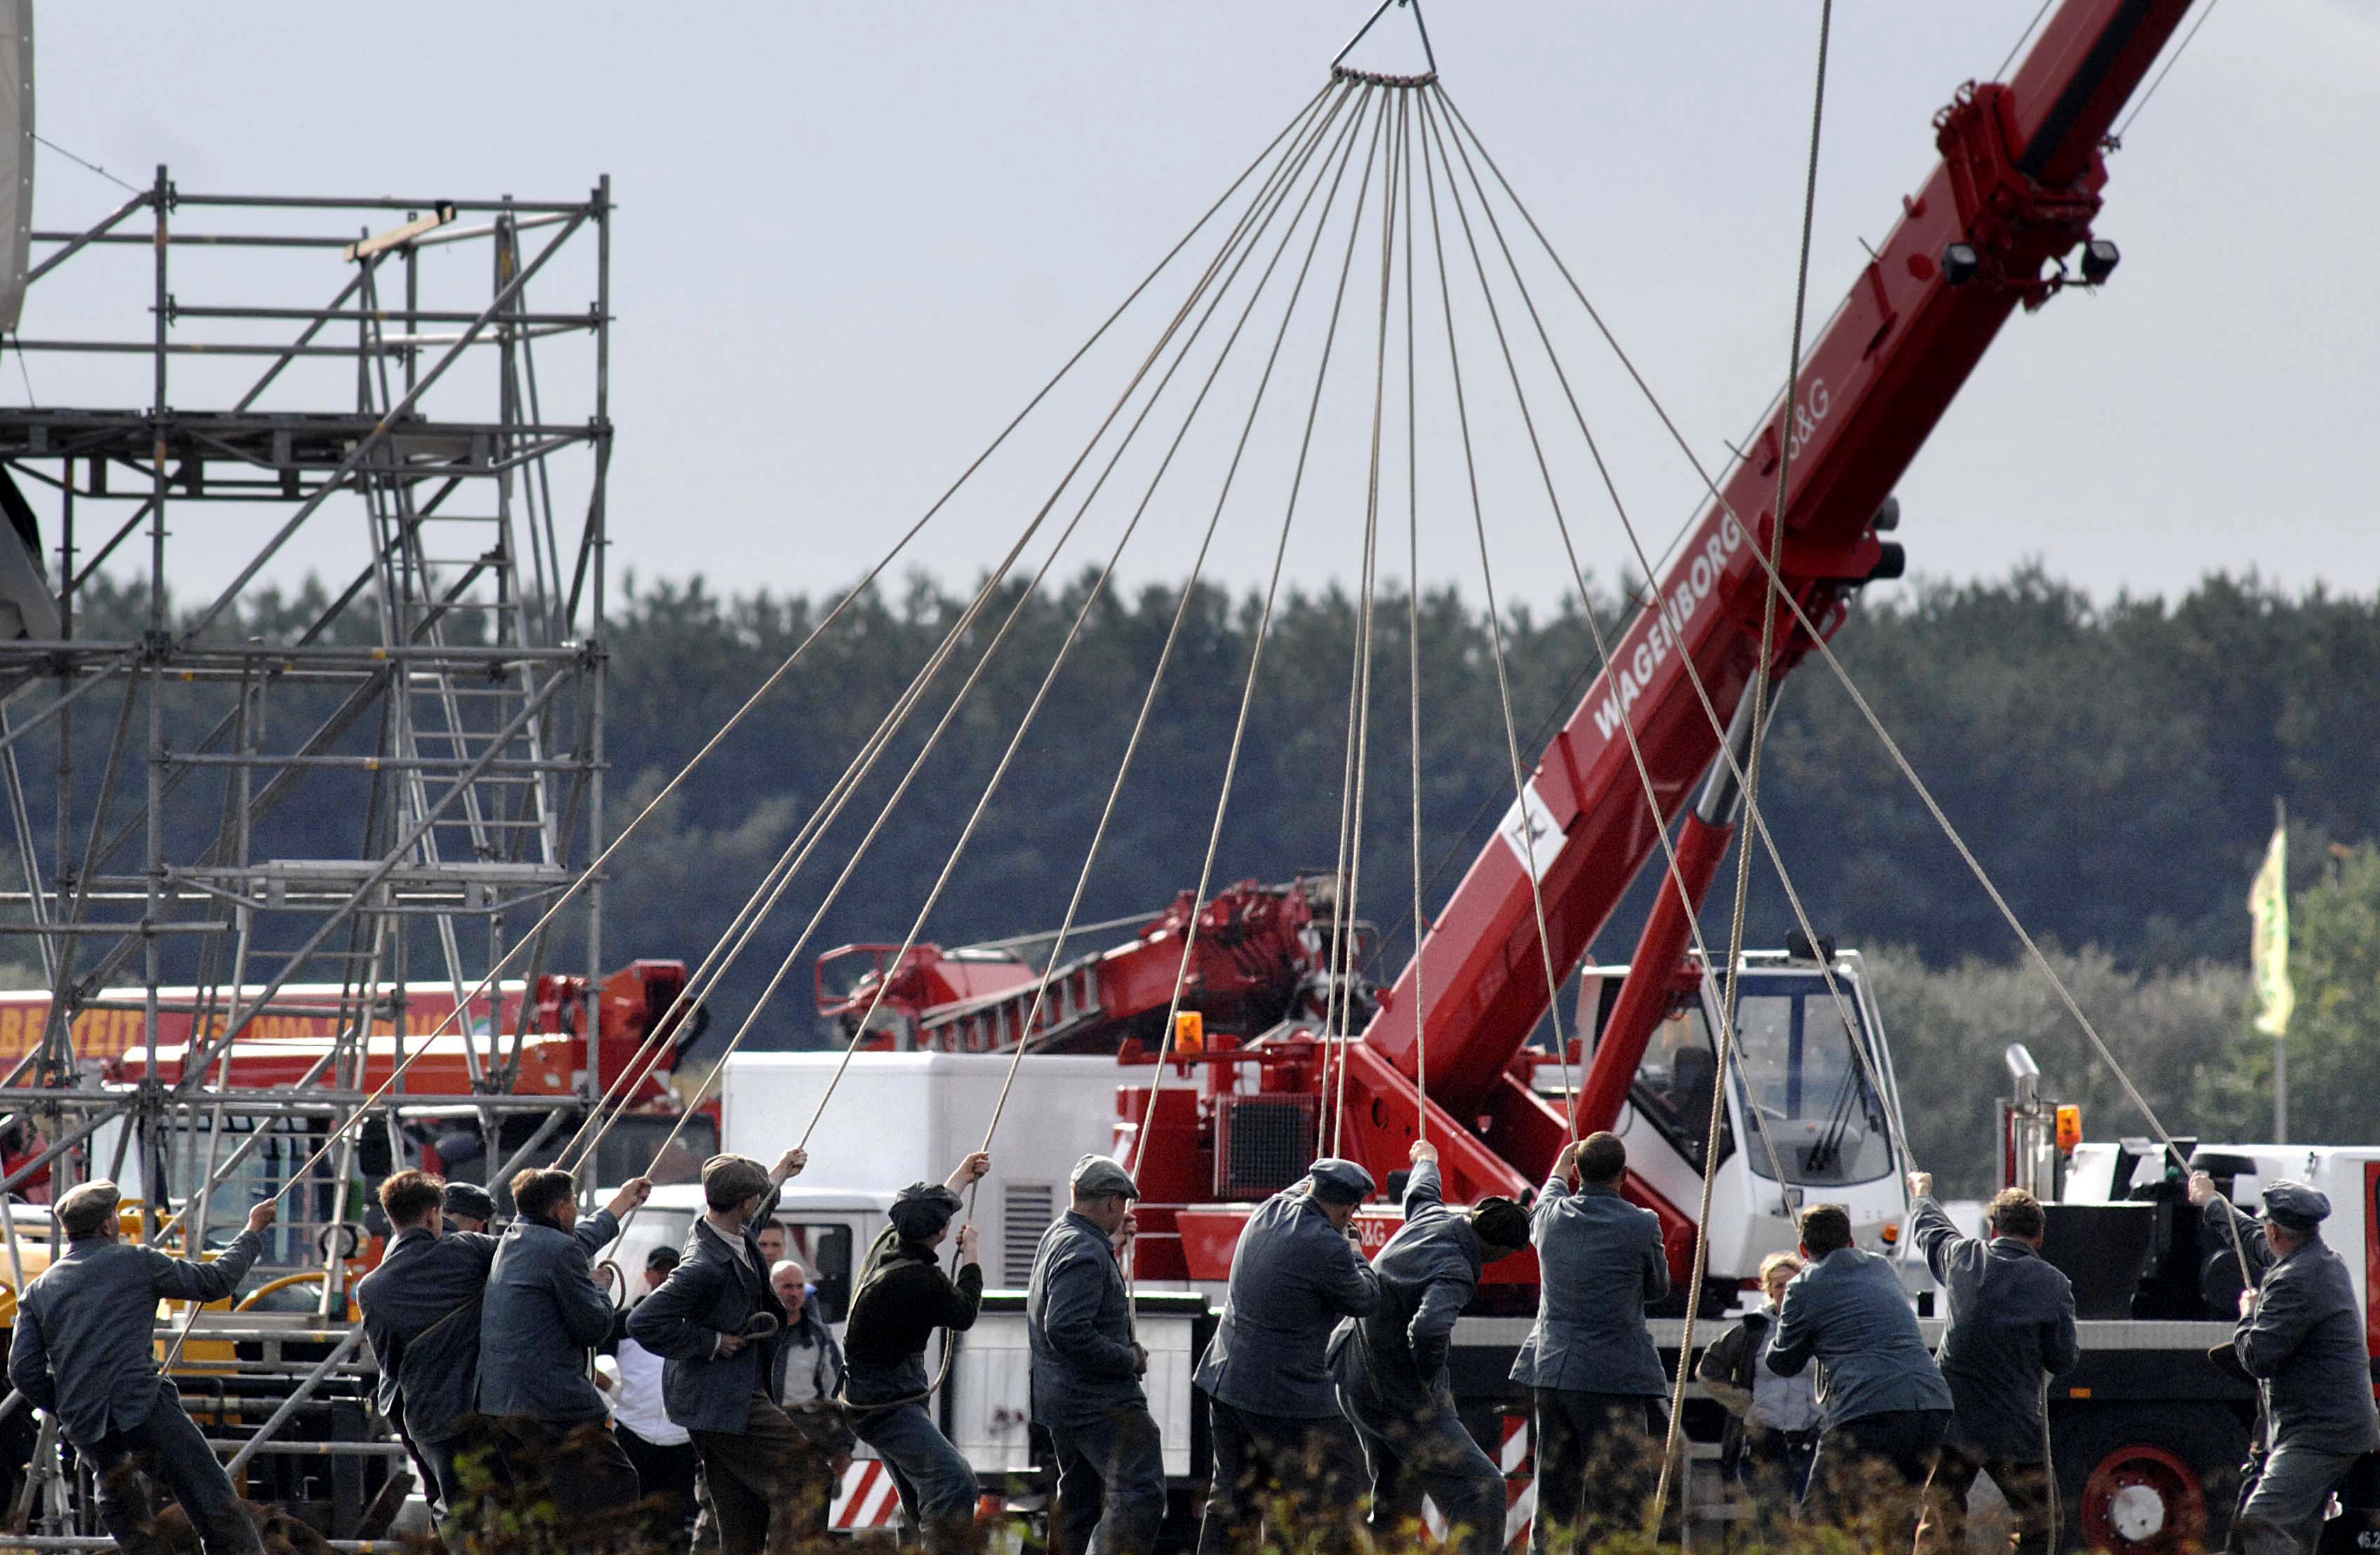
<point>900,1118</point>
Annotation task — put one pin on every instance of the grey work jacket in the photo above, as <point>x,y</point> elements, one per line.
<point>1293,1276</point>
<point>421,1317</point>
<point>2011,1325</point>
<point>85,1347</point>
<point>543,1312</point>
<point>712,1292</point>
<point>1393,1362</point>
<point>1850,1311</point>
<point>1078,1324</point>
<point>1601,1263</point>
<point>2305,1337</point>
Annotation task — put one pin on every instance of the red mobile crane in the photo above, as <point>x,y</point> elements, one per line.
<point>2145,1433</point>
<point>1988,231</point>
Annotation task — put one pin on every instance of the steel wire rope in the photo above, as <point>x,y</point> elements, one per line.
<point>1222,805</point>
<point>695,988</point>
<point>1859,698</point>
<point>1673,621</point>
<point>1413,653</point>
<point>1496,640</point>
<point>364,1107</point>
<point>1348,893</point>
<point>860,1030</point>
<point>784,667</point>
<point>851,866</point>
<point>2183,47</point>
<point>1321,375</point>
<point>1762,669</point>
<point>1603,654</point>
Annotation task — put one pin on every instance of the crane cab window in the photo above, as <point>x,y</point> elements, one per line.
<point>1807,1087</point>
<point>1672,1089</point>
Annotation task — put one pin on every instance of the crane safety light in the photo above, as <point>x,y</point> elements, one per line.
<point>2069,1129</point>
<point>1960,262</point>
<point>2099,261</point>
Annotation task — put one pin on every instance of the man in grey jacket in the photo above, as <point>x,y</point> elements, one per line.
<point>1272,1412</point>
<point>84,1351</point>
<point>1391,1365</point>
<point>1086,1372</point>
<point>2012,1327</point>
<point>2301,1332</point>
<point>421,1315</point>
<point>542,1314</point>
<point>716,1324</point>
<point>1589,1363</point>
<point>1884,1408</point>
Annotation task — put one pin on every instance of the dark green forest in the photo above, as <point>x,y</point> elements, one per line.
<point>2114,765</point>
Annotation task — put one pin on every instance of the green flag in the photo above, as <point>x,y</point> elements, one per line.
<point>2268,906</point>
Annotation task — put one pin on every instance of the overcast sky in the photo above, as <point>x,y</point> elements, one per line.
<point>854,238</point>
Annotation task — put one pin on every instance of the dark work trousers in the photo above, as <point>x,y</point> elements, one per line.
<point>769,1486</point>
<point>169,1446</point>
<point>1110,1482</point>
<point>665,1474</point>
<point>2029,1488</point>
<point>1598,1462</point>
<point>2283,1512</point>
<point>1773,1471</point>
<point>452,1465</point>
<point>935,1482</point>
<point>1312,1469</point>
<point>578,1462</point>
<point>1428,1453</point>
<point>1869,1478</point>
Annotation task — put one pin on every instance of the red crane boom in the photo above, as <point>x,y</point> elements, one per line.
<point>2016,189</point>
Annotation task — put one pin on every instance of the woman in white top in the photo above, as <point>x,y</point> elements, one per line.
<point>1774,1430</point>
<point>664,1455</point>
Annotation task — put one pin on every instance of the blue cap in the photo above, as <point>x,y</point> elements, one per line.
<point>2296,1205</point>
<point>1339,1182</point>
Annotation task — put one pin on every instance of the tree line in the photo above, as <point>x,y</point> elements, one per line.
<point>2113,764</point>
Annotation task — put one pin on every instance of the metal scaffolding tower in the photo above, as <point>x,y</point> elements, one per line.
<point>243,811</point>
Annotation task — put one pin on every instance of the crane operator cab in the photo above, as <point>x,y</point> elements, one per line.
<point>1812,1107</point>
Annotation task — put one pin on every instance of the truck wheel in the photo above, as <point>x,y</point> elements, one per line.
<point>2142,1480</point>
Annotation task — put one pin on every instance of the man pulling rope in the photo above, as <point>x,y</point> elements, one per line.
<point>903,1296</point>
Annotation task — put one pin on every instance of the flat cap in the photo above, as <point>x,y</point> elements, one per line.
<point>663,1257</point>
<point>468,1198</point>
<point>728,1181</point>
<point>2296,1205</point>
<point>1097,1176</point>
<point>1339,1182</point>
<point>920,1210</point>
<point>86,1209</point>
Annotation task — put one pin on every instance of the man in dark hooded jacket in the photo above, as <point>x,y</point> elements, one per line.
<point>1391,1365</point>
<point>902,1297</point>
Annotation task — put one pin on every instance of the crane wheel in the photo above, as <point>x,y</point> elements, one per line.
<point>2147,1480</point>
